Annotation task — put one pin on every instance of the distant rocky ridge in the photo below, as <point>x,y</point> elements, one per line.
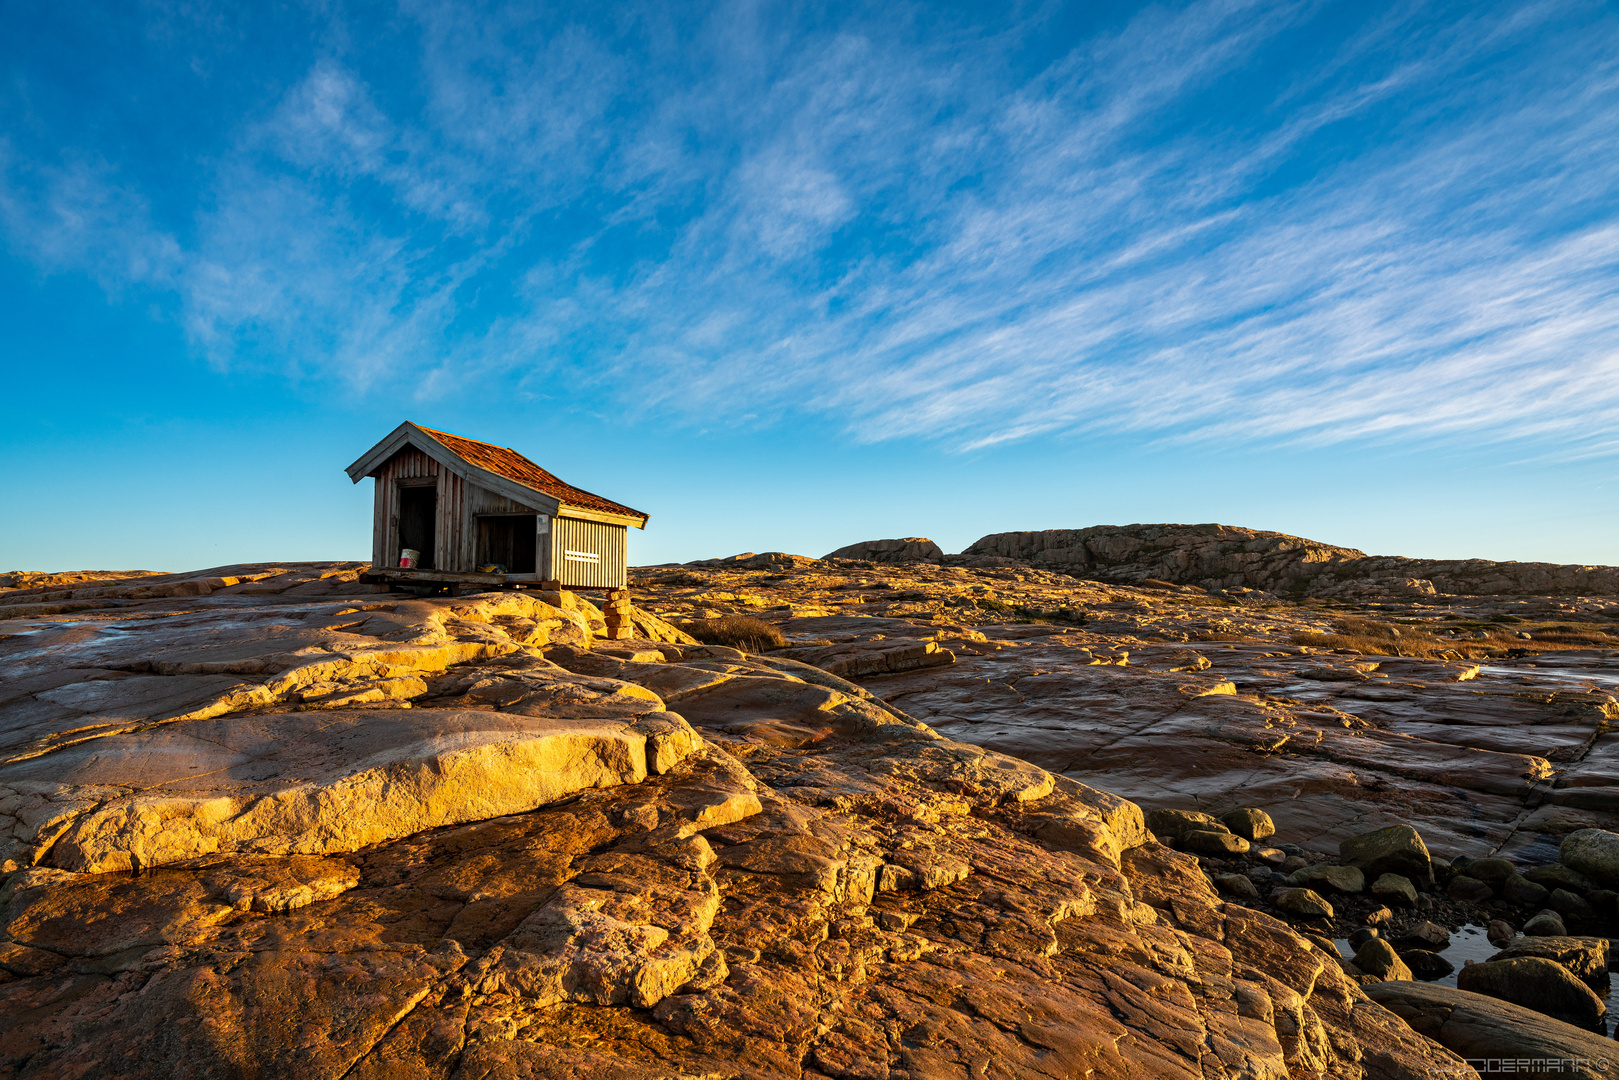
<point>1226,556</point>
<point>905,549</point>
<point>1220,557</point>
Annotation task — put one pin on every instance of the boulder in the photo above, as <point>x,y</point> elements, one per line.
<point>903,550</point>
<point>1594,853</point>
<point>1377,957</point>
<point>1343,879</point>
<point>1499,933</point>
<point>1477,1027</point>
<point>1395,887</point>
<point>1424,935</point>
<point>1362,936</point>
<point>1568,903</point>
<point>1249,823</point>
<point>1585,957</point>
<point>1518,889</point>
<point>1535,983</point>
<point>1306,902</point>
<point>1325,944</point>
<point>1558,876</point>
<point>1427,966</point>
<point>1468,890</point>
<point>1545,924</point>
<point>1395,850</point>
<point>1173,824</point>
<point>1210,842</point>
<point>1491,871</point>
<point>1237,885</point>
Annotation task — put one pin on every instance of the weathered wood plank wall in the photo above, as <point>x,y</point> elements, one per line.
<point>451,521</point>
<point>480,500</point>
<point>408,464</point>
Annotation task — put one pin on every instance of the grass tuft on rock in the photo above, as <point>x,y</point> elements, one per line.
<point>736,631</point>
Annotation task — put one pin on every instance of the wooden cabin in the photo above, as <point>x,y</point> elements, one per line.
<point>467,506</point>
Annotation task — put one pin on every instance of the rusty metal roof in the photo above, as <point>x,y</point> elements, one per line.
<point>514,466</point>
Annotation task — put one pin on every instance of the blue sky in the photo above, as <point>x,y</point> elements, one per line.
<point>791,276</point>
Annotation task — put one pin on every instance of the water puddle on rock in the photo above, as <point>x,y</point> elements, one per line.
<point>1469,943</point>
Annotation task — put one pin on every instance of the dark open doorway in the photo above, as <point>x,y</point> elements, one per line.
<point>507,540</point>
<point>418,507</point>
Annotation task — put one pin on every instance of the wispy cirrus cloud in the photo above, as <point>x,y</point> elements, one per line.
<point>1217,221</point>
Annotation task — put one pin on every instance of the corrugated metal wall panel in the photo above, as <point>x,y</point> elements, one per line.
<point>584,539</point>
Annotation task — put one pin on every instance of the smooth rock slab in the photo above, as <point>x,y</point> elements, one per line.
<point>1479,1028</point>
<point>316,782</point>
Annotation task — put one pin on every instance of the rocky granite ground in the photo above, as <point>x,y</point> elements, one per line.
<point>273,821</point>
<point>1482,719</point>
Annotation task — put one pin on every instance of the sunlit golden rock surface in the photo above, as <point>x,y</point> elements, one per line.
<point>271,821</point>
